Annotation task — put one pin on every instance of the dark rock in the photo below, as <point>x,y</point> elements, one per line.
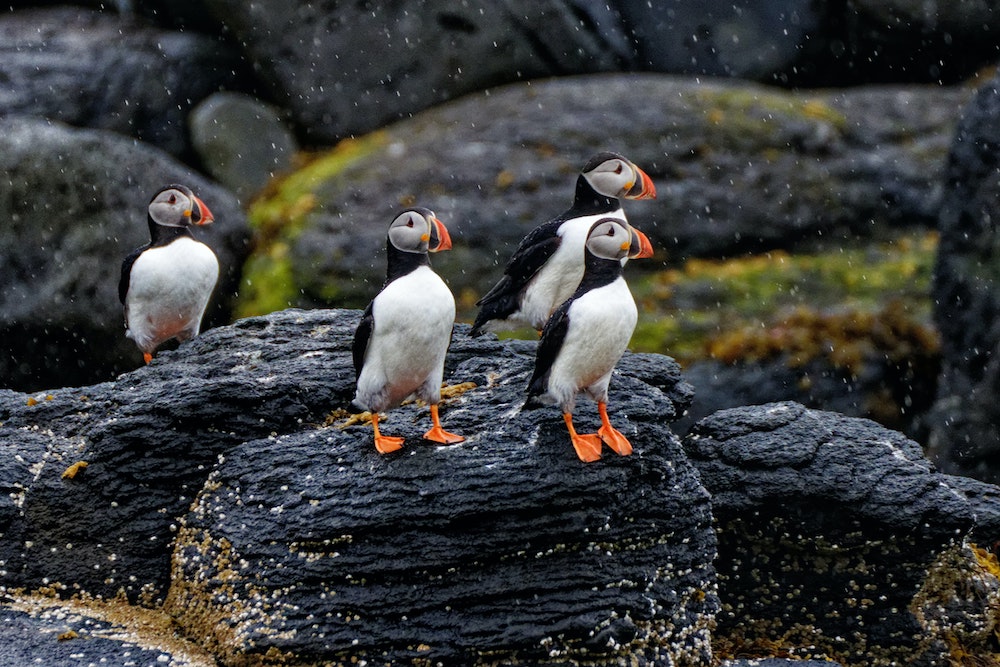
<point>984,498</point>
<point>345,69</point>
<point>738,168</point>
<point>831,533</point>
<point>613,558</point>
<point>241,141</point>
<point>74,202</point>
<point>741,39</point>
<point>781,662</point>
<point>815,44</point>
<point>109,72</point>
<point>36,631</point>
<point>873,41</point>
<point>965,436</point>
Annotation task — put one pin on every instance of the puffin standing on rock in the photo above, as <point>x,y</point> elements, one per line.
<point>548,264</point>
<point>585,338</point>
<point>401,342</point>
<point>166,284</point>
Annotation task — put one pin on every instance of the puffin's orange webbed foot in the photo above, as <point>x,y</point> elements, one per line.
<point>438,434</point>
<point>611,436</point>
<point>385,444</point>
<point>147,357</point>
<point>587,446</point>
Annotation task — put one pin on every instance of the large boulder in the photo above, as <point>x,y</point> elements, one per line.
<point>348,68</point>
<point>837,538</point>
<point>292,538</point>
<point>74,202</point>
<point>228,486</point>
<point>241,141</point>
<point>738,167</point>
<point>104,71</point>
<point>965,421</point>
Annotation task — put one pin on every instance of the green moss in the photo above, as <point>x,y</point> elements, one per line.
<point>280,214</point>
<point>709,306</point>
<point>741,117</point>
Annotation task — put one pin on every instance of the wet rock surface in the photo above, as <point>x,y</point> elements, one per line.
<point>831,531</point>
<point>304,541</point>
<point>40,631</point>
<point>227,485</point>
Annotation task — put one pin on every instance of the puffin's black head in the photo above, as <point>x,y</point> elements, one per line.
<point>613,175</point>
<point>177,206</point>
<point>418,230</point>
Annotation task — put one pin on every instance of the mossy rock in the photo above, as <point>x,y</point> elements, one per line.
<point>739,167</point>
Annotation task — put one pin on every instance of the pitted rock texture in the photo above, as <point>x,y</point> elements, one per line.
<point>504,548</point>
<point>828,530</point>
<point>305,543</point>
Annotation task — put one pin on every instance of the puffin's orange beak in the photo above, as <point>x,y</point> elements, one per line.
<point>204,214</point>
<point>440,239</point>
<point>641,247</point>
<point>643,187</point>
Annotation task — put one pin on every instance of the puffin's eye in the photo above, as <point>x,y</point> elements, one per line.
<point>172,200</point>
<point>409,222</point>
<point>618,169</point>
<point>611,231</point>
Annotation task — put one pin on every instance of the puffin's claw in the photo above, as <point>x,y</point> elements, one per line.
<point>614,439</point>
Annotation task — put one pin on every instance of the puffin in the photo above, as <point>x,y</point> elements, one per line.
<point>548,263</point>
<point>586,336</point>
<point>165,285</point>
<point>400,344</point>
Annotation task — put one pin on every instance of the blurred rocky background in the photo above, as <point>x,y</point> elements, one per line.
<point>827,173</point>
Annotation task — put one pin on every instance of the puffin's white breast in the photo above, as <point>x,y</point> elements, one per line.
<point>601,323</point>
<point>412,322</point>
<point>169,288</point>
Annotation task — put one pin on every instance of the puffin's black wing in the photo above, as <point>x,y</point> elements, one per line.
<point>361,337</point>
<point>127,263</point>
<point>534,250</point>
<point>552,340</point>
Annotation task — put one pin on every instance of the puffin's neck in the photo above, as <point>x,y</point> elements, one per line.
<point>588,201</point>
<point>399,262</point>
<point>598,272</point>
<point>161,235</point>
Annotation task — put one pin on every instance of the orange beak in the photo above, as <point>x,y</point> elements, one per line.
<point>641,247</point>
<point>643,187</point>
<point>440,239</point>
<point>204,214</point>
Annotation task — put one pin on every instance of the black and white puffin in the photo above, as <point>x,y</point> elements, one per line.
<point>548,264</point>
<point>166,284</point>
<point>586,336</point>
<point>401,341</point>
